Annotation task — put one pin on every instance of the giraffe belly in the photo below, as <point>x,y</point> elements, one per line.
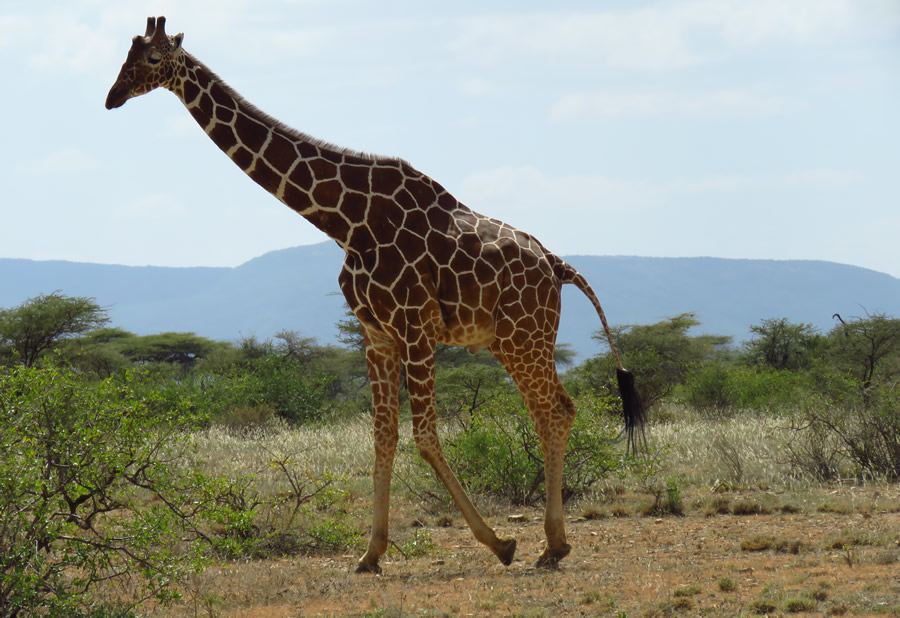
<point>474,334</point>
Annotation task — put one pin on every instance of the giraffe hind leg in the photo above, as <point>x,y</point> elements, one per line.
<point>552,411</point>
<point>553,431</point>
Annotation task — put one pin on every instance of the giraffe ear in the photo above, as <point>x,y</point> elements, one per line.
<point>178,38</point>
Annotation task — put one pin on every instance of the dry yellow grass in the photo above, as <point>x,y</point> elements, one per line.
<point>637,565</point>
<point>624,563</point>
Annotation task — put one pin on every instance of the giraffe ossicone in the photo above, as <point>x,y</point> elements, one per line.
<point>420,268</point>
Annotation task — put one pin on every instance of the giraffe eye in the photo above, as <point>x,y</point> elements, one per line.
<point>154,57</point>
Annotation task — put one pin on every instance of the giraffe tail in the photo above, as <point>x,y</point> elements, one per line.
<point>632,407</point>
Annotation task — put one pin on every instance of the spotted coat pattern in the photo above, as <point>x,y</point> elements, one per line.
<point>420,268</point>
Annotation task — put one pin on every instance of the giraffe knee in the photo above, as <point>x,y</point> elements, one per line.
<point>566,405</point>
<point>386,439</point>
<point>429,448</point>
<point>428,452</point>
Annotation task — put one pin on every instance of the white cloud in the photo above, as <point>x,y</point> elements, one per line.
<point>741,23</point>
<point>526,191</point>
<point>65,161</point>
<point>68,44</point>
<point>153,207</point>
<point>824,178</point>
<point>628,40</point>
<point>820,178</point>
<point>671,35</point>
<point>583,214</point>
<point>526,194</point>
<point>14,30</point>
<point>580,107</point>
<point>569,214</point>
<point>479,87</point>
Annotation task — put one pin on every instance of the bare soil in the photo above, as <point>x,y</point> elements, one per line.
<point>839,555</point>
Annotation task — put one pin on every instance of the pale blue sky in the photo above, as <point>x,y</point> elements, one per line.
<point>751,129</point>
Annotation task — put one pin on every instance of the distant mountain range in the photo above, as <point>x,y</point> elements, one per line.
<point>296,289</point>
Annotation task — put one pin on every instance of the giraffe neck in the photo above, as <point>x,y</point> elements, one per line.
<point>325,184</point>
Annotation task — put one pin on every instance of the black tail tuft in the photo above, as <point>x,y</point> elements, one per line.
<point>632,409</point>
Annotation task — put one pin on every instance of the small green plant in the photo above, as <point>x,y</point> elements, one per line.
<point>419,544</point>
<point>591,597</point>
<point>718,505</point>
<point>749,507</point>
<point>762,542</point>
<point>666,500</point>
<point>887,556</point>
<point>763,607</point>
<point>334,534</point>
<point>757,542</point>
<point>687,591</point>
<point>848,538</point>
<point>726,584</point>
<point>794,605</point>
<point>820,592</point>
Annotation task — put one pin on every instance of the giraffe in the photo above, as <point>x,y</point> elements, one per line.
<point>420,268</point>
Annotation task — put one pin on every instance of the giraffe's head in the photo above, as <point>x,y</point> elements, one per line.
<point>152,62</point>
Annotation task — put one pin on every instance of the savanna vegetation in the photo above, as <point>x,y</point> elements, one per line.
<point>129,464</point>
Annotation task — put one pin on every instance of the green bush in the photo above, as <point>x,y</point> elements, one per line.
<point>91,490</point>
<point>259,389</point>
<point>498,451</point>
<point>717,387</point>
<point>297,393</point>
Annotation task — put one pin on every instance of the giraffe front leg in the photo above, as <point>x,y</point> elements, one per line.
<point>384,373</point>
<point>420,382</point>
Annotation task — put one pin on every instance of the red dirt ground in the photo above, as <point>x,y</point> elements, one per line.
<point>828,563</point>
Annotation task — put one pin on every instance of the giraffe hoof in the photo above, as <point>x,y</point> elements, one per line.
<point>373,568</point>
<point>506,549</point>
<point>550,558</point>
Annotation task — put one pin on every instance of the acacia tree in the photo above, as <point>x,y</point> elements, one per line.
<point>779,344</point>
<point>182,349</point>
<point>661,356</point>
<point>41,323</point>
<point>869,347</point>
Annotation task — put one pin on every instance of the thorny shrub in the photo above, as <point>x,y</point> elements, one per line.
<point>498,452</point>
<point>91,493</point>
<point>860,438</point>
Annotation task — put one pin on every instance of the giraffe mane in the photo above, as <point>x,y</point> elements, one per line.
<point>288,130</point>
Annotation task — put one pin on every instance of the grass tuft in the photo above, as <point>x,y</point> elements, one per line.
<point>794,605</point>
<point>763,607</point>
<point>749,507</point>
<point>687,591</point>
<point>727,584</point>
<point>762,542</point>
<point>789,509</point>
<point>848,538</point>
<point>593,513</point>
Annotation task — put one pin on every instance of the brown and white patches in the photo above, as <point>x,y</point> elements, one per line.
<point>420,268</point>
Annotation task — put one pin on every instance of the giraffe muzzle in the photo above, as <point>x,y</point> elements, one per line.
<point>116,97</point>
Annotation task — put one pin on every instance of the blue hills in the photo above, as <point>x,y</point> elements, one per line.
<point>296,289</point>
